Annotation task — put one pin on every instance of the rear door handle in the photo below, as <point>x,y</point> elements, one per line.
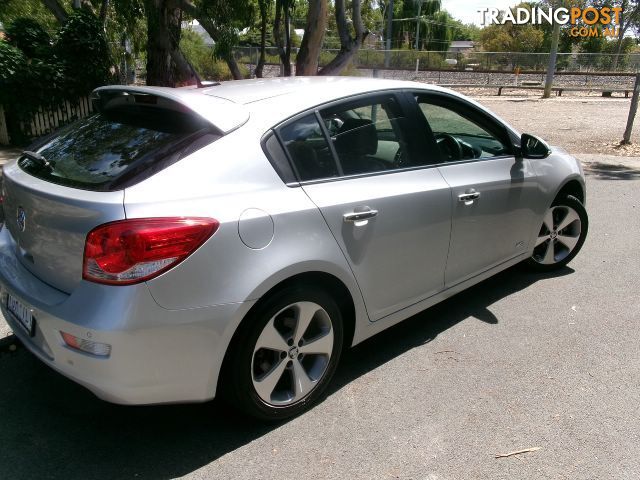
<point>469,197</point>
<point>358,216</point>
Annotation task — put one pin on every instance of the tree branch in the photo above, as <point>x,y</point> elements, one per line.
<point>192,10</point>
<point>104,8</point>
<point>341,21</point>
<point>348,46</point>
<point>56,8</point>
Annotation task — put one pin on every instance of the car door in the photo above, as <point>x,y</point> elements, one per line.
<point>390,215</point>
<point>492,191</point>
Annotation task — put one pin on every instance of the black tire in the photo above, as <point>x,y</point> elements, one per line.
<point>534,262</point>
<point>239,372</point>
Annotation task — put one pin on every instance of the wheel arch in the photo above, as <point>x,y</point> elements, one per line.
<point>574,187</point>
<point>316,278</point>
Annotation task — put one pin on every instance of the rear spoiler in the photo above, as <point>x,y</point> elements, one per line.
<point>221,113</point>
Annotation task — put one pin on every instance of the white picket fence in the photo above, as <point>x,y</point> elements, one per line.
<point>46,120</point>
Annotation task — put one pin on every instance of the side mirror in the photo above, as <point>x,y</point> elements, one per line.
<point>533,147</point>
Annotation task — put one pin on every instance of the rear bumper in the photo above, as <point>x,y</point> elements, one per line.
<point>157,355</point>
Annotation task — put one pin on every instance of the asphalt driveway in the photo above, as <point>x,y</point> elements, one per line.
<point>519,361</point>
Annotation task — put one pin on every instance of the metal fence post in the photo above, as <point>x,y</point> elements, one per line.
<point>626,139</point>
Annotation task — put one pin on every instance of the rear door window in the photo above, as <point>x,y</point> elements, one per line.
<point>308,149</point>
<point>368,136</point>
<point>118,147</point>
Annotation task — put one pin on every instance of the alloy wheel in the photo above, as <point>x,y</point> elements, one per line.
<point>559,235</point>
<point>292,353</point>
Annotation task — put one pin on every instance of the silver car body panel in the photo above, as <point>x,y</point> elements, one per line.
<point>399,256</point>
<point>158,355</point>
<point>176,328</point>
<point>50,243</point>
<point>494,232</point>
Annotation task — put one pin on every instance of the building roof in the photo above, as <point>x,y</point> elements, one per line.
<point>462,44</point>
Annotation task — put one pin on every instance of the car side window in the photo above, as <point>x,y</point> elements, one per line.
<point>367,136</point>
<point>459,137</point>
<point>308,149</point>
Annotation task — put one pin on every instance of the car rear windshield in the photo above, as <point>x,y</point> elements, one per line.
<point>117,147</point>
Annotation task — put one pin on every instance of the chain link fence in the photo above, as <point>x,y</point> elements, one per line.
<point>464,61</point>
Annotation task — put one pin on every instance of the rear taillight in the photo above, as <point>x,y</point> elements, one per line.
<point>132,251</point>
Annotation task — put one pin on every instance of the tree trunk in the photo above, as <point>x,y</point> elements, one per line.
<point>307,61</point>
<point>283,42</point>
<point>206,23</point>
<point>233,67</point>
<point>263,37</point>
<point>349,46</point>
<point>627,17</point>
<point>56,8</point>
<point>166,66</point>
<point>104,8</point>
<point>622,26</point>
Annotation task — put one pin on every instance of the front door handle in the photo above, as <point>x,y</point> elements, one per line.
<point>468,197</point>
<point>359,216</point>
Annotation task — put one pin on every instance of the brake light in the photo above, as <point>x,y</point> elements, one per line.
<point>132,251</point>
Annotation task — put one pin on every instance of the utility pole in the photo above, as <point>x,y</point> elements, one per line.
<point>552,60</point>
<point>555,37</point>
<point>626,139</point>
<point>387,53</point>
<point>418,25</point>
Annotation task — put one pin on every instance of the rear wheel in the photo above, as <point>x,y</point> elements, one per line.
<point>285,354</point>
<point>561,236</point>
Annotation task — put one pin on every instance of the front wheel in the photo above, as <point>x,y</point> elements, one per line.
<point>285,354</point>
<point>561,236</point>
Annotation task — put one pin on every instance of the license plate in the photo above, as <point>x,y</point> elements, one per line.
<point>22,313</point>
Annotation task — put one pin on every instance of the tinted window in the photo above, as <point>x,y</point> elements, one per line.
<point>278,158</point>
<point>460,138</point>
<point>367,137</point>
<point>98,152</point>
<point>309,149</point>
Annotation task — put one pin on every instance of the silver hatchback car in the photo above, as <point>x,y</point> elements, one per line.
<point>184,243</point>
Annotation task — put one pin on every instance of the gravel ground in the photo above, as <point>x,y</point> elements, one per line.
<point>579,125</point>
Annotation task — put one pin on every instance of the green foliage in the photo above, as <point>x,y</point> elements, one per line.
<point>437,32</point>
<point>13,68</point>
<point>25,86</point>
<point>508,37</point>
<point>202,58</point>
<point>29,36</point>
<point>461,31</point>
<point>83,53</point>
<point>40,75</point>
<point>10,10</point>
<point>229,18</point>
<point>126,19</point>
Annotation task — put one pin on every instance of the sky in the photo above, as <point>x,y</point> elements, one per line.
<point>467,10</point>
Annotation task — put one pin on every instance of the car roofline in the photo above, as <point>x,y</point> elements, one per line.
<point>224,114</point>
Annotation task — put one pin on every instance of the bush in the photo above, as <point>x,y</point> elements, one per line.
<point>35,74</point>
<point>202,58</point>
<point>13,69</point>
<point>30,37</point>
<point>82,50</point>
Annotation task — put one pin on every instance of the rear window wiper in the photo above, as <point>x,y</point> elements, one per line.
<point>37,158</point>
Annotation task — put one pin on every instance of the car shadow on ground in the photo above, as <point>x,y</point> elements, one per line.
<point>607,171</point>
<point>52,428</point>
